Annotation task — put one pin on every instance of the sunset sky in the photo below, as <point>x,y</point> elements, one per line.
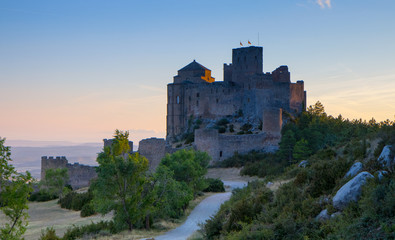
<point>77,70</point>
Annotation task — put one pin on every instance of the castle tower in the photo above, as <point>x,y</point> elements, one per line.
<point>246,62</point>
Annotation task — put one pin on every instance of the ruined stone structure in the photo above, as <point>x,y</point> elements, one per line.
<point>257,98</point>
<point>79,175</point>
<point>154,149</point>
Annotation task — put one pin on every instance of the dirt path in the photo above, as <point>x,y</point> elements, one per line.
<point>207,208</point>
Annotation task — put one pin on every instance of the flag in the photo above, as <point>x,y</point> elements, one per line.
<point>249,42</point>
<point>241,44</point>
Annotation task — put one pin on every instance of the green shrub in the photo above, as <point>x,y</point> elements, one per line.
<point>222,129</point>
<point>214,185</point>
<point>246,127</point>
<point>231,128</point>
<point>42,196</point>
<point>77,232</point>
<point>49,234</point>
<point>87,210</point>
<point>222,122</point>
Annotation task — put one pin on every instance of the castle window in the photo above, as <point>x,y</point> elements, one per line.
<point>220,153</point>
<point>197,103</point>
<point>248,100</point>
<point>178,99</point>
<point>189,98</point>
<point>217,100</point>
<point>197,94</point>
<point>245,59</point>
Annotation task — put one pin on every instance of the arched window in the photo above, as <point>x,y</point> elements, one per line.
<point>178,99</point>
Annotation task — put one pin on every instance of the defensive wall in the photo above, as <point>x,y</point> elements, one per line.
<point>79,175</point>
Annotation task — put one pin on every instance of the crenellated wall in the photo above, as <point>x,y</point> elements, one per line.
<point>79,175</point>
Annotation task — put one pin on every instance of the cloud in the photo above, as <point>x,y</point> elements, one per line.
<point>324,3</point>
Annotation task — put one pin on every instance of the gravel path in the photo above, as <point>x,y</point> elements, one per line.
<point>201,213</point>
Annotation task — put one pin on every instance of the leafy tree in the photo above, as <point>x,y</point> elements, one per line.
<point>301,150</point>
<point>189,166</point>
<point>55,180</point>
<point>122,184</point>
<point>172,197</point>
<point>287,145</point>
<point>14,192</point>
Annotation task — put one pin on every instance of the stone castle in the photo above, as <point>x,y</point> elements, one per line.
<point>247,96</point>
<point>244,112</point>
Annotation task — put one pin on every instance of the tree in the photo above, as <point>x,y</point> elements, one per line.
<point>55,180</point>
<point>189,166</point>
<point>122,184</point>
<point>172,197</point>
<point>14,192</point>
<point>301,150</point>
<point>287,145</point>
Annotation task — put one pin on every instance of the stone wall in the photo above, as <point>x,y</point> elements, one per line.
<point>79,175</point>
<point>154,149</point>
<point>222,146</point>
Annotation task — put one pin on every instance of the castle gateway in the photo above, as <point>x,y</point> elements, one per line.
<point>242,113</point>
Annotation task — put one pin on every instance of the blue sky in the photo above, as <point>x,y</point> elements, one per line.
<point>77,70</point>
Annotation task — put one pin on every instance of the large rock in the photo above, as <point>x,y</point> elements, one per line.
<point>323,215</point>
<point>354,170</point>
<point>351,191</point>
<point>303,164</point>
<point>385,157</point>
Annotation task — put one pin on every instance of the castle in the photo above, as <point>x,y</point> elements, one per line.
<point>244,112</point>
<point>247,97</point>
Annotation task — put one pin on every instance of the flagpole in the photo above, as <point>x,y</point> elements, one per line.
<point>258,38</point>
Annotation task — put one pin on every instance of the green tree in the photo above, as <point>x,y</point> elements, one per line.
<point>55,180</point>
<point>122,184</point>
<point>189,166</point>
<point>14,192</point>
<point>172,197</point>
<point>287,145</point>
<point>301,150</point>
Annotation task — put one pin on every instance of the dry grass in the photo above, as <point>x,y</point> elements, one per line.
<point>228,174</point>
<point>50,214</point>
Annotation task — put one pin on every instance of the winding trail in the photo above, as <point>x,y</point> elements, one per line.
<point>201,213</point>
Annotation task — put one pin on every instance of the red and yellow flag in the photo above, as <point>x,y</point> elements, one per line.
<point>249,42</point>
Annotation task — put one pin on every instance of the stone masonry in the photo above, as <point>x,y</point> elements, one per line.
<point>79,175</point>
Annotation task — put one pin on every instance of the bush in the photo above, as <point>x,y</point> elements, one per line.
<point>87,210</point>
<point>214,185</point>
<point>42,196</point>
<point>77,232</point>
<point>49,234</point>
<point>222,129</point>
<point>78,202</point>
<point>222,122</point>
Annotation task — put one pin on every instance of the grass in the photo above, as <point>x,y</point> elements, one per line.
<point>50,214</point>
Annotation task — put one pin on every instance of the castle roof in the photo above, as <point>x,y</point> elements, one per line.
<point>193,66</point>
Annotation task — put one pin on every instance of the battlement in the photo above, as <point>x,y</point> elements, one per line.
<point>79,175</point>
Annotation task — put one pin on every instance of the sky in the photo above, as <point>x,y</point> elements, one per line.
<point>77,70</point>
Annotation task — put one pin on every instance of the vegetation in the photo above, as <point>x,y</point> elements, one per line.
<point>330,145</point>
<point>14,192</point>
<point>79,202</point>
<point>214,185</point>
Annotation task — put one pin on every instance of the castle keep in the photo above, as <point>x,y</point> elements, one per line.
<point>247,97</point>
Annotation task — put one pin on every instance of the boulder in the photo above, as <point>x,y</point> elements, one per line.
<point>323,215</point>
<point>351,191</point>
<point>385,158</point>
<point>354,170</point>
<point>303,163</point>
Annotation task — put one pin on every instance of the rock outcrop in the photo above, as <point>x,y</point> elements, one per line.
<point>351,191</point>
<point>385,158</point>
<point>354,170</point>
